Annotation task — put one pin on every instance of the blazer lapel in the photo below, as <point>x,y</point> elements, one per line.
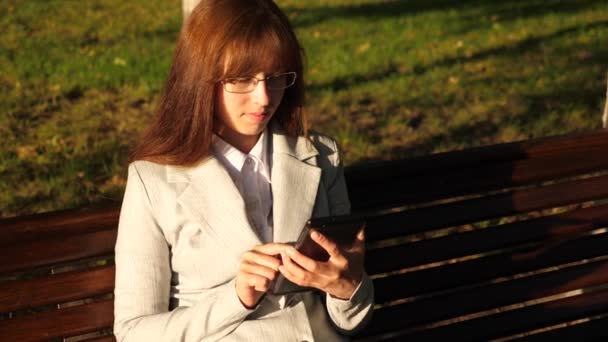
<point>295,184</point>
<point>214,200</point>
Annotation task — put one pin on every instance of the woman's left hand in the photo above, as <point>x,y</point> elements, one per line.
<point>339,276</point>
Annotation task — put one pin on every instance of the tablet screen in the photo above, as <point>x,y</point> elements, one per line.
<point>342,230</point>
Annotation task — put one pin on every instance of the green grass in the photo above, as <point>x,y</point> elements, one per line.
<point>388,79</point>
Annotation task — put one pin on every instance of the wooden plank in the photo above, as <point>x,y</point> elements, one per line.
<point>72,321</point>
<point>471,170</point>
<point>110,338</point>
<point>441,184</point>
<point>519,321</point>
<point>499,324</point>
<point>548,228</point>
<point>56,224</point>
<point>466,301</point>
<point>477,156</point>
<point>56,250</point>
<point>594,330</point>
<point>474,210</point>
<point>591,331</point>
<point>470,272</point>
<point>60,288</point>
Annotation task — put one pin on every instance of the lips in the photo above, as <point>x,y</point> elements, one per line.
<point>257,116</point>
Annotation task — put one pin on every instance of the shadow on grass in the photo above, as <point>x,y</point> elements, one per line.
<point>510,50</point>
<point>81,178</point>
<point>538,107</point>
<point>506,10</point>
<point>583,89</point>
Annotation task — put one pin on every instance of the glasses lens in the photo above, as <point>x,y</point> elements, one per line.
<point>281,81</point>
<point>248,84</point>
<point>240,85</point>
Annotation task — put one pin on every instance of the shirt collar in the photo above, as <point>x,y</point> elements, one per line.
<point>260,150</point>
<point>235,157</point>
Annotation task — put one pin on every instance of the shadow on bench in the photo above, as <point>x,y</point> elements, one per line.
<point>500,242</point>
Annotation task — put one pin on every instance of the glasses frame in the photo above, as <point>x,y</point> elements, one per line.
<point>258,80</point>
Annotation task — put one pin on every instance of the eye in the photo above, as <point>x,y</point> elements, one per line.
<point>281,81</point>
<point>239,81</point>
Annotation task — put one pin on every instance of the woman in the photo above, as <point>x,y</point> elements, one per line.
<point>225,177</point>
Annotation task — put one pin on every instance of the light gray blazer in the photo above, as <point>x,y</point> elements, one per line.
<point>183,229</point>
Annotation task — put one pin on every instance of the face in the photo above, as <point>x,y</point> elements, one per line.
<point>240,118</point>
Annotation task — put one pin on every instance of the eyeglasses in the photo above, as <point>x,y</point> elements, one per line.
<point>242,85</point>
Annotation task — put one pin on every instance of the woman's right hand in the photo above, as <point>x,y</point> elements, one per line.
<point>257,270</point>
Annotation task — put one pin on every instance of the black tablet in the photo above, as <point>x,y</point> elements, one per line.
<point>342,230</point>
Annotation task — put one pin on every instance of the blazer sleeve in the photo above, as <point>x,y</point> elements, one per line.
<point>348,316</point>
<point>143,281</point>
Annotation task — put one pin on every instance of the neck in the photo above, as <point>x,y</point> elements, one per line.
<point>243,143</point>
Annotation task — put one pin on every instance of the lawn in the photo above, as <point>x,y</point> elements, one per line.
<point>388,79</point>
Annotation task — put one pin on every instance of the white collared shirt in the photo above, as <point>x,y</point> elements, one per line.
<point>251,175</point>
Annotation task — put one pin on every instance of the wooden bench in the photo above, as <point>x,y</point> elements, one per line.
<point>494,243</point>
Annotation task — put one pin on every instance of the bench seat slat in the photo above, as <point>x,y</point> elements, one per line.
<point>60,288</point>
<point>549,228</point>
<point>474,210</point>
<point>466,181</point>
<point>52,251</point>
<point>72,321</point>
<point>490,296</point>
<point>499,324</point>
<point>484,269</point>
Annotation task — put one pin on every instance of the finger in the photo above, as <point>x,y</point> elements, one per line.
<point>288,275</point>
<point>268,273</point>
<point>359,244</point>
<point>271,248</point>
<point>330,246</point>
<point>255,257</point>
<point>303,262</point>
<point>361,235</point>
<point>256,282</point>
<point>293,271</point>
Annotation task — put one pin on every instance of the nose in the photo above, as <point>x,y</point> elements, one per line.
<point>260,94</point>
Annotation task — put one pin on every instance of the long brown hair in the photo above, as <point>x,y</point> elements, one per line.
<point>221,38</point>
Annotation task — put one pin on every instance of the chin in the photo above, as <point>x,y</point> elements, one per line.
<point>250,132</point>
<point>254,130</point>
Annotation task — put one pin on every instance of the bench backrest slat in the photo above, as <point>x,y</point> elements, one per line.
<point>474,157</point>
<point>70,321</point>
<point>57,250</point>
<point>474,210</point>
<point>468,171</point>
<point>102,339</point>
<point>57,288</point>
<point>58,224</point>
<point>547,229</point>
<point>593,330</point>
<point>466,181</point>
<point>473,299</point>
<point>488,268</point>
<point>519,320</point>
